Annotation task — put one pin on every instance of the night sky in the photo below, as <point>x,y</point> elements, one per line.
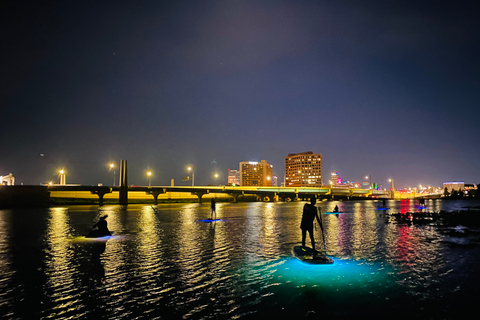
<point>389,89</point>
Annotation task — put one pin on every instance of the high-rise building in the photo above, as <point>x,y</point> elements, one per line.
<point>334,179</point>
<point>256,174</point>
<point>233,177</point>
<point>303,170</point>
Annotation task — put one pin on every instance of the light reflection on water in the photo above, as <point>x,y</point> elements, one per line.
<point>167,261</point>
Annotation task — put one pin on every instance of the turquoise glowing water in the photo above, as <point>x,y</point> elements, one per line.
<point>167,262</point>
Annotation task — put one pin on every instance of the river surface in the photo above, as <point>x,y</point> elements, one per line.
<point>167,262</point>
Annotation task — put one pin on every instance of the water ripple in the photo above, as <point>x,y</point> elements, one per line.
<point>167,263</point>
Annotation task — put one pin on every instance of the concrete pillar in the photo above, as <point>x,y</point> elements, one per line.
<point>155,193</point>
<point>123,194</point>
<point>199,195</point>
<point>100,192</point>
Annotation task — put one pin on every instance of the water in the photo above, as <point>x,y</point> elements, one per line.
<point>163,262</point>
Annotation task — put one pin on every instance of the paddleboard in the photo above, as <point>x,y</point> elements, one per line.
<point>95,235</point>
<point>85,239</point>
<point>306,254</point>
<point>332,212</point>
<point>210,220</point>
<point>382,209</point>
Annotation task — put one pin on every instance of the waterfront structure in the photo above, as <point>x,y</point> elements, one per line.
<point>8,180</point>
<point>467,188</point>
<point>303,170</point>
<point>256,174</point>
<point>454,186</point>
<point>233,177</point>
<point>459,186</point>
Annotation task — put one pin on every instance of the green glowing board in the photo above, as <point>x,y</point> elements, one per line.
<point>306,254</point>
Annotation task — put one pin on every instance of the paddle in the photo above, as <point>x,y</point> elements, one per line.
<point>323,235</point>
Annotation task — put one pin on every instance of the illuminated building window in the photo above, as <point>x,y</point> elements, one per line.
<point>307,166</point>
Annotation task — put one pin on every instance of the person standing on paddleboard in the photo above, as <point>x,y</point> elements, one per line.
<point>309,214</point>
<point>212,207</point>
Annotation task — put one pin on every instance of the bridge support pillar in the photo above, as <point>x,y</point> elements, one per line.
<point>235,196</point>
<point>155,193</point>
<point>101,193</point>
<point>199,195</point>
<point>273,197</point>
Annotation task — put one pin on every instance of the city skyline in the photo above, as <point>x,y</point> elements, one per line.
<point>387,90</point>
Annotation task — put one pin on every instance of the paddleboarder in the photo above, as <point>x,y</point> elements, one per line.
<point>100,229</point>
<point>310,212</point>
<point>212,206</point>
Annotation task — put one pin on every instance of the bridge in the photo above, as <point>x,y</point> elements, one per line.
<point>270,193</point>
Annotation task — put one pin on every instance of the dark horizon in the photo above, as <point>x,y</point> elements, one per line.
<point>389,90</point>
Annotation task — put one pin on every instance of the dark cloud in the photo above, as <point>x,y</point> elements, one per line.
<point>382,88</point>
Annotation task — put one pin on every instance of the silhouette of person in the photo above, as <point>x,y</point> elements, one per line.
<point>212,207</point>
<point>335,209</point>
<point>309,214</point>
<point>100,229</point>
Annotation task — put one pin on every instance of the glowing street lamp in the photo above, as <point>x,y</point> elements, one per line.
<point>112,167</point>
<point>393,188</point>
<point>62,174</point>
<point>393,183</point>
<point>191,169</point>
<point>149,176</point>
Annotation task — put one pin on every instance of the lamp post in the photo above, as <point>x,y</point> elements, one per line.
<point>63,179</point>
<point>149,175</point>
<point>190,168</point>
<point>392,189</point>
<point>112,167</point>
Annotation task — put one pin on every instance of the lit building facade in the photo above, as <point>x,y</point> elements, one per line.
<point>334,179</point>
<point>303,170</point>
<point>233,177</point>
<point>454,186</point>
<point>256,174</point>
<point>8,180</point>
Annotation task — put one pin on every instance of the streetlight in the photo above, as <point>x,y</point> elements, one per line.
<point>190,168</point>
<point>112,167</point>
<point>393,188</point>
<point>63,179</point>
<point>149,175</point>
<point>393,183</point>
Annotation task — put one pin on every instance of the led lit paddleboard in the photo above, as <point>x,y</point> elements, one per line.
<point>332,212</point>
<point>305,254</point>
<point>95,234</point>
<point>86,239</point>
<point>382,209</point>
<point>210,220</point>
